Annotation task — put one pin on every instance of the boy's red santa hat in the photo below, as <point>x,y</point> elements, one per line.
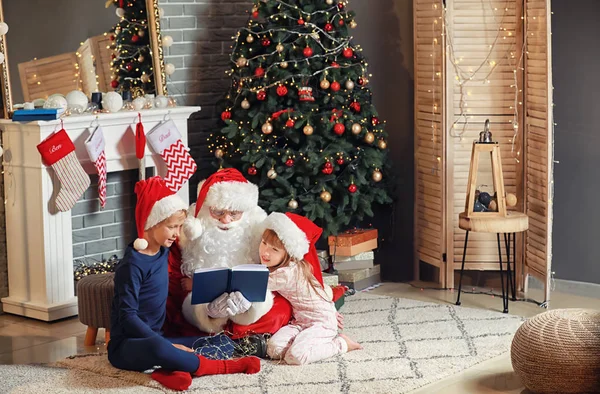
<point>155,203</point>
<point>226,189</point>
<point>299,235</point>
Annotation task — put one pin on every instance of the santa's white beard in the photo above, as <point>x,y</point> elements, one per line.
<point>217,247</point>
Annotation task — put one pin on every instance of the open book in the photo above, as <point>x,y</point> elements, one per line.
<point>249,279</point>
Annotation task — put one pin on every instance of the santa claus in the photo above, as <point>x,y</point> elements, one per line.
<point>223,229</point>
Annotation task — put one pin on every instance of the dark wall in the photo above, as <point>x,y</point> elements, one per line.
<point>576,79</point>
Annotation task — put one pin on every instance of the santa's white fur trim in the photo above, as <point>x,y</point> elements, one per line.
<point>197,316</point>
<point>293,238</point>
<point>140,244</point>
<point>256,311</point>
<point>163,209</point>
<point>232,196</point>
<point>192,228</point>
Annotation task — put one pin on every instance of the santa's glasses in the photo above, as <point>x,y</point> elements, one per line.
<point>221,213</point>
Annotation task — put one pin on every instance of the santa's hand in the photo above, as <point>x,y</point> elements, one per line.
<point>237,304</point>
<point>218,308</point>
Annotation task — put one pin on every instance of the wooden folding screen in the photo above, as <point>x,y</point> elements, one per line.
<point>478,60</point>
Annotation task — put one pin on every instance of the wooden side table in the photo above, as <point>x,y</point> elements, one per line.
<point>511,224</point>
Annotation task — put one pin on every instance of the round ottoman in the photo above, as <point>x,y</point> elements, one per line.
<point>559,352</point>
<point>94,300</point>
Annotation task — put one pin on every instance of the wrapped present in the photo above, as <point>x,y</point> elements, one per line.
<point>353,250</point>
<point>361,278</point>
<point>361,256</point>
<point>323,256</point>
<point>340,302</point>
<point>330,279</point>
<point>352,237</point>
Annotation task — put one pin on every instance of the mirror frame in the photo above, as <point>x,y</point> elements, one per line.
<point>156,49</point>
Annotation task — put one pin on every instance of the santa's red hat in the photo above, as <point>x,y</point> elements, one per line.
<point>227,189</point>
<point>155,203</point>
<point>299,235</point>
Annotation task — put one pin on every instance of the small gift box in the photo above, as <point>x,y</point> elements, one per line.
<point>352,242</point>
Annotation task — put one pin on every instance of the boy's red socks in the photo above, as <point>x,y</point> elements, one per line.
<point>174,380</point>
<point>247,365</point>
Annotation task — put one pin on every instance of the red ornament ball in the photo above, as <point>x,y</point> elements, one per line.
<point>335,65</point>
<point>348,53</point>
<point>113,56</point>
<point>327,170</point>
<point>308,52</point>
<point>289,162</point>
<point>255,14</point>
<point>252,170</point>
<point>114,84</point>
<point>135,38</point>
<point>339,128</point>
<point>361,81</point>
<point>328,27</point>
<point>259,72</point>
<point>261,95</point>
<point>375,121</point>
<point>129,66</point>
<point>355,106</point>
<point>341,22</point>
<point>225,115</point>
<point>290,123</point>
<point>340,161</point>
<point>340,6</point>
<point>300,21</point>
<point>335,86</point>
<point>281,90</point>
<point>352,188</point>
<point>112,38</point>
<point>266,42</point>
<point>328,165</point>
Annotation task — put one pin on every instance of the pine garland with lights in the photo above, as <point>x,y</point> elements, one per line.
<point>132,61</point>
<point>84,268</point>
<point>299,118</point>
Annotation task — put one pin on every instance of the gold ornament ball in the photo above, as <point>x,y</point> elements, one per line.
<point>279,48</point>
<point>325,84</point>
<point>242,61</point>
<point>219,153</point>
<point>272,174</point>
<point>249,38</point>
<point>329,2</point>
<point>141,33</point>
<point>325,196</point>
<point>369,138</point>
<point>356,129</point>
<point>267,128</point>
<point>382,144</point>
<point>377,176</point>
<point>293,204</point>
<point>145,78</point>
<point>283,64</point>
<point>349,85</point>
<point>511,199</point>
<point>308,130</point>
<point>141,59</point>
<point>353,25</point>
<point>493,206</point>
<point>245,104</point>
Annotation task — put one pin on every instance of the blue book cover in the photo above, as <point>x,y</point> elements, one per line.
<point>23,115</point>
<point>249,279</point>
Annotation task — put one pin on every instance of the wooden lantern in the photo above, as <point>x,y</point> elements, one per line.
<point>494,150</point>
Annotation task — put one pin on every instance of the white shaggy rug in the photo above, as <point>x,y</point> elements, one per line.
<point>407,344</point>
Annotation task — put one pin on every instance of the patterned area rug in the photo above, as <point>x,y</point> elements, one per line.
<point>407,344</point>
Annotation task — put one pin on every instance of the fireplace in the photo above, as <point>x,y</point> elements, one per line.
<point>42,243</point>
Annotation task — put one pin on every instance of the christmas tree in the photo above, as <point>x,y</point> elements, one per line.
<point>298,118</point>
<point>132,59</point>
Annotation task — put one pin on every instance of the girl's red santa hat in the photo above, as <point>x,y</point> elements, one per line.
<point>226,189</point>
<point>299,235</point>
<point>155,203</point>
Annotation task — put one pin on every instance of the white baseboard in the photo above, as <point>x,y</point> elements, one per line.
<point>583,289</point>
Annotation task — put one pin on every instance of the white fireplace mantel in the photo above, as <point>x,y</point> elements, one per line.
<point>39,238</point>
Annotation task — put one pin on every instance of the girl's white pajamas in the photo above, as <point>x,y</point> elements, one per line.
<point>313,334</point>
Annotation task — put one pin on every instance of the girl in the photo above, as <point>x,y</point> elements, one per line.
<point>312,335</point>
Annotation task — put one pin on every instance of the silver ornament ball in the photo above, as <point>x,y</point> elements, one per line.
<point>349,85</point>
<point>245,104</point>
<point>272,174</point>
<point>293,204</point>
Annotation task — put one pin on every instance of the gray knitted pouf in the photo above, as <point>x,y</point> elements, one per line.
<point>94,300</point>
<point>559,352</point>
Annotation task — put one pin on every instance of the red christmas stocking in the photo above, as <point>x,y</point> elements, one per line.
<point>165,139</point>
<point>58,152</point>
<point>95,147</point>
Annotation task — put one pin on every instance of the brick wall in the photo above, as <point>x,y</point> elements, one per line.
<point>100,234</point>
<point>201,31</point>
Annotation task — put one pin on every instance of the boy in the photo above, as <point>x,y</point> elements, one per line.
<point>141,289</point>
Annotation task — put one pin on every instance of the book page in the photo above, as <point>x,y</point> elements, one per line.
<point>211,269</point>
<point>250,267</point>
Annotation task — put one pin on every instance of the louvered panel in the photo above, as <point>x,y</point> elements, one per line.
<point>486,45</point>
<point>538,142</point>
<point>43,77</point>
<point>429,126</point>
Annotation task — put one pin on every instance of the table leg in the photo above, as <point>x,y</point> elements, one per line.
<point>504,291</point>
<point>462,268</point>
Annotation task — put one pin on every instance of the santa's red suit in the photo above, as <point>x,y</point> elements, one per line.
<point>211,243</point>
